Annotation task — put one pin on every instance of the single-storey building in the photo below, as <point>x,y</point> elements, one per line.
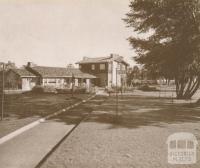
<point>57,77</point>
<point>20,79</point>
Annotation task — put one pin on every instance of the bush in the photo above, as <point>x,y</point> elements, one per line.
<point>147,88</point>
<point>44,89</point>
<point>38,89</point>
<point>49,89</point>
<point>64,91</point>
<point>79,90</point>
<point>129,89</point>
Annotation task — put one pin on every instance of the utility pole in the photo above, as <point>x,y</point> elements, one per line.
<point>2,98</point>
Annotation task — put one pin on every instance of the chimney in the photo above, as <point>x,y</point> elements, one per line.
<point>85,58</point>
<point>114,56</point>
<point>30,64</point>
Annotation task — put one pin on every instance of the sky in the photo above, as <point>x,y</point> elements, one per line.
<point>59,32</point>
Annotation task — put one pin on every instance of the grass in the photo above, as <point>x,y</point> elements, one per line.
<point>21,109</point>
<point>136,139</point>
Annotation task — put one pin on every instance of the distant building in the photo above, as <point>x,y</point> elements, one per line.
<point>20,79</point>
<point>110,71</point>
<point>32,75</point>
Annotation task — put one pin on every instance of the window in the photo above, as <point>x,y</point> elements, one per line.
<point>181,144</point>
<point>173,144</point>
<point>190,144</point>
<point>52,81</point>
<point>93,67</point>
<point>123,67</point>
<point>102,66</point>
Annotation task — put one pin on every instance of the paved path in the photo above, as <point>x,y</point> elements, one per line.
<point>27,149</point>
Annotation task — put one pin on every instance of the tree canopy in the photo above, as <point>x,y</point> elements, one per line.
<point>173,45</point>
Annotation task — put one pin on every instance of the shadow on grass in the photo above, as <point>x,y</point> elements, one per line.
<point>32,104</point>
<point>133,112</point>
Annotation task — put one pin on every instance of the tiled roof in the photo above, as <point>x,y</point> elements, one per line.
<point>23,72</point>
<point>94,60</point>
<point>87,60</point>
<point>50,71</point>
<point>79,74</point>
<point>60,72</point>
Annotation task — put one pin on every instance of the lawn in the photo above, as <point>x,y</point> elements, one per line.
<point>21,109</point>
<point>134,139</point>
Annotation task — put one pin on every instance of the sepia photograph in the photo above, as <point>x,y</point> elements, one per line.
<point>99,83</point>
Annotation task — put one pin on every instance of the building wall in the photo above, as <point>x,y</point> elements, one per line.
<point>114,77</point>
<point>102,79</point>
<point>64,82</point>
<point>102,75</point>
<point>108,77</point>
<point>116,74</point>
<point>54,82</point>
<point>110,83</point>
<point>88,68</point>
<point>28,83</point>
<point>14,81</point>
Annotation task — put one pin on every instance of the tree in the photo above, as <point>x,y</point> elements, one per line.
<point>8,65</point>
<point>173,42</point>
<point>133,73</point>
<point>136,72</point>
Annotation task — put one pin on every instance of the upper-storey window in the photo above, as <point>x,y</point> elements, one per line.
<point>93,67</point>
<point>123,67</point>
<point>102,66</point>
<point>118,66</point>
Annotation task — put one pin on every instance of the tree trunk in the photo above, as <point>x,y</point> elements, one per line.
<point>185,89</point>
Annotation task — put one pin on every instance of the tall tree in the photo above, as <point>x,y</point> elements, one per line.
<point>173,42</point>
<point>133,73</point>
<point>8,65</point>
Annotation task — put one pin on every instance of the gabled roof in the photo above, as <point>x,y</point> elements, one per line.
<point>94,60</point>
<point>79,74</point>
<point>60,72</point>
<point>117,58</point>
<point>50,71</point>
<point>22,72</point>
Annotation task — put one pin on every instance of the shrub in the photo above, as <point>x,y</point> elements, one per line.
<point>38,89</point>
<point>129,89</point>
<point>79,90</point>
<point>64,91</point>
<point>147,88</point>
<point>49,89</point>
<point>44,89</point>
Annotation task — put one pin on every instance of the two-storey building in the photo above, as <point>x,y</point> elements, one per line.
<point>110,70</point>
